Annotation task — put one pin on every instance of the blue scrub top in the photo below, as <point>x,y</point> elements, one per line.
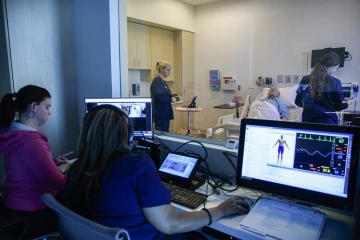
<point>132,183</point>
<point>318,111</point>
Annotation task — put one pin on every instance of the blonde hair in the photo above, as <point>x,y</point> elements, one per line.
<point>161,66</point>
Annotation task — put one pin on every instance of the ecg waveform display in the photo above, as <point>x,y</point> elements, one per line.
<point>320,153</point>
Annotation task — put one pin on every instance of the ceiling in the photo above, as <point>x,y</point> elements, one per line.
<point>199,2</point>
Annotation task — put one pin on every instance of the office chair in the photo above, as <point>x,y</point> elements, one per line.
<point>74,226</point>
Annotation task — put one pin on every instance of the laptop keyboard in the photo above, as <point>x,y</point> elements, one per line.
<point>186,197</point>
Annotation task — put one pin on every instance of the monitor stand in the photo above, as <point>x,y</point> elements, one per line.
<point>193,184</point>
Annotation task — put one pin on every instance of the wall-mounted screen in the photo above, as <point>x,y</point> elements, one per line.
<point>139,111</point>
<point>310,162</point>
<point>316,55</point>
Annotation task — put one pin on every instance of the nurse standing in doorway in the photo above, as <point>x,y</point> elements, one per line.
<point>161,97</point>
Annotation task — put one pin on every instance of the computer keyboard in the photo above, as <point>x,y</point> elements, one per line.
<point>186,197</point>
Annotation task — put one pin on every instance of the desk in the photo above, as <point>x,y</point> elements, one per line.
<point>188,110</point>
<point>338,224</point>
<point>226,106</point>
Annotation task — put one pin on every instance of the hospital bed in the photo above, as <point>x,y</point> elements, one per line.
<point>231,128</point>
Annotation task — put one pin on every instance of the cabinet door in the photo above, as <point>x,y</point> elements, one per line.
<point>156,48</point>
<point>131,45</point>
<point>187,63</point>
<point>143,53</point>
<point>168,50</point>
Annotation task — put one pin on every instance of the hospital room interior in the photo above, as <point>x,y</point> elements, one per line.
<point>249,46</point>
<point>225,56</point>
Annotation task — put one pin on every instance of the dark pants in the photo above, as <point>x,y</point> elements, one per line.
<point>40,222</point>
<point>162,125</point>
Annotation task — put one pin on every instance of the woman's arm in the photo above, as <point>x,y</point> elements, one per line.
<point>339,97</point>
<point>158,90</point>
<point>40,162</point>
<point>167,220</point>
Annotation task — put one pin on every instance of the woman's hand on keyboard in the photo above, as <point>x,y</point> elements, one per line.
<point>236,205</point>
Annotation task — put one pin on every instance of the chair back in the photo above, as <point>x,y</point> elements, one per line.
<point>74,226</point>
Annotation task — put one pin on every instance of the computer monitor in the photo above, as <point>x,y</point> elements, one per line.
<point>139,111</point>
<point>309,162</point>
<point>316,55</point>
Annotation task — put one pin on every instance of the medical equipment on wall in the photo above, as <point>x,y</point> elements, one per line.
<point>136,89</point>
<point>215,79</point>
<point>228,83</point>
<point>265,81</point>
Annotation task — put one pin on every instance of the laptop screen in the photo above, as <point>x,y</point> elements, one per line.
<point>178,165</point>
<point>296,158</point>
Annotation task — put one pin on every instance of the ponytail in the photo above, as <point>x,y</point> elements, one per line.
<point>7,110</point>
<point>19,102</point>
<point>160,66</point>
<point>319,76</point>
<point>318,80</point>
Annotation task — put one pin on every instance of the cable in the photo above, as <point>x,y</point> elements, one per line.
<point>10,56</point>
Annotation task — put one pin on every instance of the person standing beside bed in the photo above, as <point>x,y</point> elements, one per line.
<point>113,187</point>
<point>162,97</point>
<point>30,170</point>
<point>320,93</point>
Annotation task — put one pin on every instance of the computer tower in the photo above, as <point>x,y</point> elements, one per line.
<point>136,89</point>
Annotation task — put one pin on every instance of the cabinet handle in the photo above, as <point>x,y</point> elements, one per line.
<point>139,63</point>
<point>184,92</point>
<point>134,63</point>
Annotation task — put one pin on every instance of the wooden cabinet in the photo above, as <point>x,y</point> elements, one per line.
<point>162,48</point>
<point>139,53</point>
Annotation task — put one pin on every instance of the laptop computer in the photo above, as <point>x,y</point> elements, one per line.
<point>180,170</point>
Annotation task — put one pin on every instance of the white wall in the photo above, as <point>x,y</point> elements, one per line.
<point>172,13</point>
<point>244,39</point>
<point>42,53</point>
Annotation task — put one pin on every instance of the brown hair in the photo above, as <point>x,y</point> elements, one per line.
<point>104,133</point>
<point>19,102</point>
<point>319,76</point>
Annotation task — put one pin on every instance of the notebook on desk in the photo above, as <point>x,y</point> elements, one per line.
<point>280,219</point>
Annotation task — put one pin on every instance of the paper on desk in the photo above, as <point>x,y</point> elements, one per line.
<point>283,220</point>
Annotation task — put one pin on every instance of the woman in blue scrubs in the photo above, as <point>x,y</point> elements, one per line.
<point>161,97</point>
<point>320,93</point>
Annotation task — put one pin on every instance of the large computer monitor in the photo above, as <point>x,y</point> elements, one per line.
<point>138,109</point>
<point>309,162</point>
<point>316,55</point>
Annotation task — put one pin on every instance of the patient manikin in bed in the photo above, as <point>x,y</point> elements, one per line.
<point>273,98</point>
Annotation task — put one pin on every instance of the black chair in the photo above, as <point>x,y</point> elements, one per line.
<point>75,227</point>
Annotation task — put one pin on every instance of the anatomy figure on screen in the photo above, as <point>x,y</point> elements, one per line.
<point>281,143</point>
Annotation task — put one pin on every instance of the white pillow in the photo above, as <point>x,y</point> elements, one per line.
<point>287,94</point>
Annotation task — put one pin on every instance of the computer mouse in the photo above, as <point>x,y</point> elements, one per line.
<point>249,201</point>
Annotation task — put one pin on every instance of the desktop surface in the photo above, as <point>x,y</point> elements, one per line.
<point>338,224</point>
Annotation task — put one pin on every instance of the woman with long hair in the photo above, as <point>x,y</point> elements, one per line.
<point>30,170</point>
<point>320,93</point>
<point>116,188</point>
<point>162,97</point>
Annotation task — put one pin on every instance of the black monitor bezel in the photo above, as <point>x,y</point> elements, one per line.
<point>136,136</point>
<point>298,193</point>
<point>317,54</point>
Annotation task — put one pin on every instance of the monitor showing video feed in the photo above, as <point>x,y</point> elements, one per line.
<point>139,111</point>
<point>309,162</point>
